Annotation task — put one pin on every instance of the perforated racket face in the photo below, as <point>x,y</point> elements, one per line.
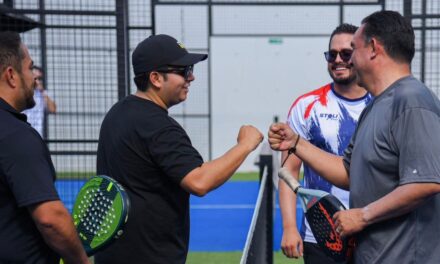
<point>320,218</point>
<point>99,213</point>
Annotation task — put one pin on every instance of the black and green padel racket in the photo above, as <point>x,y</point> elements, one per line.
<point>100,212</point>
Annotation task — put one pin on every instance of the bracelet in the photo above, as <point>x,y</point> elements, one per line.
<point>290,151</point>
<point>293,149</point>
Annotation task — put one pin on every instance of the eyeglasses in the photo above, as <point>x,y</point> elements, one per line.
<point>185,72</point>
<point>331,55</point>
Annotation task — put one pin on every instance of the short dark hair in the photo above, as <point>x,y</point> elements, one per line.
<point>143,82</point>
<point>393,31</point>
<point>11,53</point>
<point>342,29</point>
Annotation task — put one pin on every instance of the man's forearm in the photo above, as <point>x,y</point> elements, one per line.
<point>328,165</point>
<point>286,195</point>
<point>287,206</point>
<point>398,202</point>
<point>213,173</point>
<point>56,226</point>
<point>64,240</point>
<point>50,104</point>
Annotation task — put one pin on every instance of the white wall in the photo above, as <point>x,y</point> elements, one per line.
<point>256,78</point>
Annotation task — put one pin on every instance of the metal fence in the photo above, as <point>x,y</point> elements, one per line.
<point>84,48</point>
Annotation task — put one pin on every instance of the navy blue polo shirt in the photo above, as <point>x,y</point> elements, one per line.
<point>27,177</point>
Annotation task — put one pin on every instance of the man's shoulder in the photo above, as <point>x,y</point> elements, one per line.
<point>133,108</point>
<point>307,101</point>
<point>138,116</point>
<point>22,137</point>
<point>320,93</point>
<point>16,127</point>
<point>408,88</point>
<point>411,93</point>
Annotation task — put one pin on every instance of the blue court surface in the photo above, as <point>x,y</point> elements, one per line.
<point>219,221</point>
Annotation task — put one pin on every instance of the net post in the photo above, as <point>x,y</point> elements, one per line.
<point>259,245</point>
<point>269,211</point>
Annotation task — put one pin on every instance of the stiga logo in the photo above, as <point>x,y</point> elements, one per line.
<point>180,45</point>
<point>329,116</point>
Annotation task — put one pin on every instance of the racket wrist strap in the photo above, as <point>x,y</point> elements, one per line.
<point>293,149</point>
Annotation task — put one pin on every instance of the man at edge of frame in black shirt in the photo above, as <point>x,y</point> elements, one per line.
<point>35,227</point>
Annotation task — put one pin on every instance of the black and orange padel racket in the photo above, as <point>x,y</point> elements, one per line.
<point>319,208</point>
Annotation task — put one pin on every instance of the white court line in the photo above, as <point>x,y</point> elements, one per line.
<point>223,206</point>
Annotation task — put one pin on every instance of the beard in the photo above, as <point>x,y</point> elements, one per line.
<point>342,80</point>
<point>30,102</point>
<point>28,92</point>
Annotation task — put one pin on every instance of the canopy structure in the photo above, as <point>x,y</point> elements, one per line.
<point>10,21</point>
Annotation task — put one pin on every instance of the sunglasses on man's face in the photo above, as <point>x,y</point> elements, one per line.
<point>185,72</point>
<point>331,55</point>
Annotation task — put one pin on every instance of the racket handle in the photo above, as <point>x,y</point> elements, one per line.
<point>288,178</point>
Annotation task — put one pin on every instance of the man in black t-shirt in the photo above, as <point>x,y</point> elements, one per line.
<point>151,155</point>
<point>35,227</point>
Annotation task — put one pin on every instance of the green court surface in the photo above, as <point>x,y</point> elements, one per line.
<point>232,258</point>
<point>251,176</point>
<point>240,176</point>
<point>245,176</point>
<point>74,175</point>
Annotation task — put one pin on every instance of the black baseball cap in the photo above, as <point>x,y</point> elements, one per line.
<point>159,51</point>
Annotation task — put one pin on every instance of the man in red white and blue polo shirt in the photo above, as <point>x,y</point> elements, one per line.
<point>326,117</point>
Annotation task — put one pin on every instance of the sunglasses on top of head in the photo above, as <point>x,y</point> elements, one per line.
<point>184,71</point>
<point>331,55</point>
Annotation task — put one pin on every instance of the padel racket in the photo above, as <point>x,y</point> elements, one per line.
<point>319,208</point>
<point>100,213</point>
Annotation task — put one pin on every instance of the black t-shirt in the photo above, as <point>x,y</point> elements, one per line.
<point>26,177</point>
<point>149,153</point>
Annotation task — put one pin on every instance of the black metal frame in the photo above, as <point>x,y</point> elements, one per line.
<point>423,28</point>
<point>122,48</point>
<point>408,12</point>
<point>122,29</point>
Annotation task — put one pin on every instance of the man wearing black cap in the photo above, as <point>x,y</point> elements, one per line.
<point>151,155</point>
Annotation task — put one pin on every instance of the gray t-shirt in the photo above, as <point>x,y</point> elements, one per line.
<point>397,142</point>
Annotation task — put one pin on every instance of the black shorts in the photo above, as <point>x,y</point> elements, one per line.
<point>314,255</point>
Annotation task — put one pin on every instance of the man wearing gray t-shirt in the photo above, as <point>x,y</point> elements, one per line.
<point>392,164</point>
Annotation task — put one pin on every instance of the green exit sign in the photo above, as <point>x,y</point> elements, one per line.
<point>276,41</point>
